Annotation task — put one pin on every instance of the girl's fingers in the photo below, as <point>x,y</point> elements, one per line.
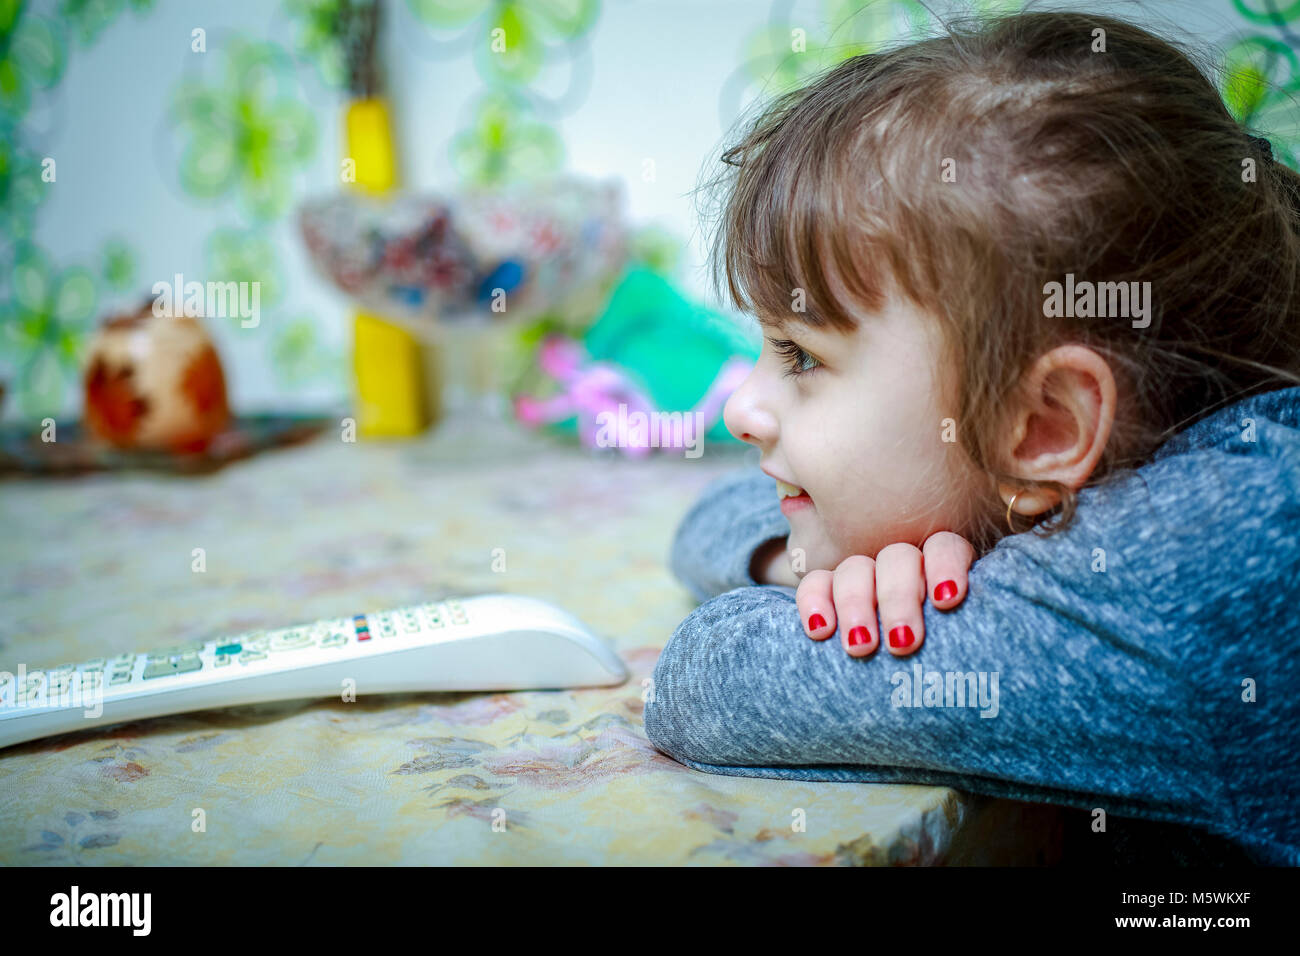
<point>853,589</point>
<point>900,591</point>
<point>816,609</point>
<point>948,558</point>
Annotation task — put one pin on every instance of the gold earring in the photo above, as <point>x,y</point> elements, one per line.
<point>1010,505</point>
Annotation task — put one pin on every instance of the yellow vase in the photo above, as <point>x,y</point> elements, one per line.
<point>369,131</point>
<point>394,397</point>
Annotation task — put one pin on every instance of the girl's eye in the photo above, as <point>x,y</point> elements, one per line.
<point>797,361</point>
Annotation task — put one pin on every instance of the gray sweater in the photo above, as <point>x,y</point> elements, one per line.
<point>1142,663</point>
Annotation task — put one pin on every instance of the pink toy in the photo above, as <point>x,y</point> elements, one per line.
<point>592,388</point>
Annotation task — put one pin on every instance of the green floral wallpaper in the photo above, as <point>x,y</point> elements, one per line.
<point>245,130</point>
<point>46,316</point>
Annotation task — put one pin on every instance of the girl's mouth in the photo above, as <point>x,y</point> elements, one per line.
<point>793,498</point>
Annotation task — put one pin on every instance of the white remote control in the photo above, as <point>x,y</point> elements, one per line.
<point>492,642</point>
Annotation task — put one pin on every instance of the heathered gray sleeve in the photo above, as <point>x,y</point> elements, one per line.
<point>1142,662</point>
<point>717,538</point>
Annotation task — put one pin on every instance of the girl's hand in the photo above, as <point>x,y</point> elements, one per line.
<point>898,581</point>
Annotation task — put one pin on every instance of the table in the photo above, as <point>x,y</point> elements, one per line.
<point>104,564</point>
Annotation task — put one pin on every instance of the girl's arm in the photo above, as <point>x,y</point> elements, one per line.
<point>715,546</point>
<point>1142,663</point>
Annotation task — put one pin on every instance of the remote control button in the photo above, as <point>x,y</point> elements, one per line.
<point>176,664</point>
<point>249,656</point>
<point>179,650</point>
<point>222,660</point>
<point>120,677</point>
<point>333,640</point>
<point>225,650</point>
<point>290,640</point>
<point>32,688</point>
<point>94,665</point>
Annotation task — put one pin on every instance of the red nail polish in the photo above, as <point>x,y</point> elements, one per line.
<point>945,590</point>
<point>901,636</point>
<point>815,622</point>
<point>859,635</point>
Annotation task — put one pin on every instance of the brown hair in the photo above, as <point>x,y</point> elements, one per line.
<point>1116,166</point>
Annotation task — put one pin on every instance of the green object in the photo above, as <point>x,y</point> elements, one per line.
<point>671,347</point>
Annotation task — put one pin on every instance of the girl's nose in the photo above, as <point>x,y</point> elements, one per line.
<point>746,418</point>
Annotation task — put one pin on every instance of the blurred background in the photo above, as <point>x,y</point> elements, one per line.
<point>412,198</point>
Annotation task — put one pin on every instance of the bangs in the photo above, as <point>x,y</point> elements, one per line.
<point>809,208</point>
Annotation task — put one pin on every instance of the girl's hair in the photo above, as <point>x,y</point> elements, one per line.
<point>1116,166</point>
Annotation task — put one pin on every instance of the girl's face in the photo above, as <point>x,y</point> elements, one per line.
<point>857,422</point>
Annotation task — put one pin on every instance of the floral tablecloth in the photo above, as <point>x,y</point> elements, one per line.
<point>104,564</point>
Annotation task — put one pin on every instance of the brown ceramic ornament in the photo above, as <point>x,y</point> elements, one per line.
<point>155,382</point>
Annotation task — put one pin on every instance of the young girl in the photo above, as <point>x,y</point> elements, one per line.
<point>1027,275</point>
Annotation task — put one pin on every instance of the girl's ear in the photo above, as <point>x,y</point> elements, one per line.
<point>1060,429</point>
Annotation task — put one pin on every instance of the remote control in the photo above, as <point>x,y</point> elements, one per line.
<point>492,642</point>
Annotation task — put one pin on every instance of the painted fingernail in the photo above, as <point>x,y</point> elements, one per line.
<point>859,635</point>
<point>815,622</point>
<point>901,636</point>
<point>945,590</point>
